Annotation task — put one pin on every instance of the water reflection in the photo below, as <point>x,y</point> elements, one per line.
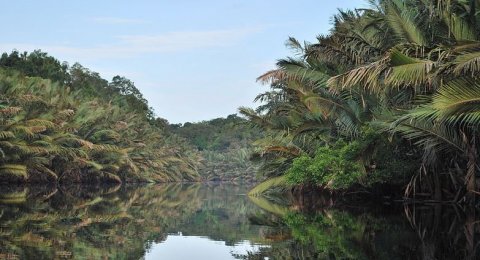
<point>193,247</point>
<point>351,232</point>
<point>217,221</point>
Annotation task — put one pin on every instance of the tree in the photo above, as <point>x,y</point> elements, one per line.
<point>406,68</point>
<point>83,132</point>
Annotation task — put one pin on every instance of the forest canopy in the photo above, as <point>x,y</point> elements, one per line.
<point>225,145</point>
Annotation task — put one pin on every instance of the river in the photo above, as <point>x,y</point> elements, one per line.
<point>219,221</point>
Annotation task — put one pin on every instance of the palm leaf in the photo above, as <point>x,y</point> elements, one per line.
<point>402,20</point>
<point>14,169</point>
<point>459,101</point>
<point>468,63</point>
<point>407,70</point>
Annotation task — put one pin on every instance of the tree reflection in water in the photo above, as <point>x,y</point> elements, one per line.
<point>114,222</point>
<point>353,232</point>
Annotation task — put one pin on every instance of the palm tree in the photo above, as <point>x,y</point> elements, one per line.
<point>407,67</point>
<point>49,133</point>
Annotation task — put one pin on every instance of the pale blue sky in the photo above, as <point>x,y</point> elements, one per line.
<point>192,59</point>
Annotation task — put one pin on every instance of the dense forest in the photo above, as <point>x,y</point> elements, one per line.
<point>225,145</point>
<point>61,123</point>
<point>389,99</point>
<point>364,144</point>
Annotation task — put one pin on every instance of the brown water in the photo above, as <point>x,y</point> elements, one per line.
<point>218,221</point>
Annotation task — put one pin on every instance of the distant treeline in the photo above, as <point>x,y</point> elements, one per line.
<point>225,145</point>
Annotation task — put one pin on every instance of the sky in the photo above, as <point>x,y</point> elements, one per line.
<point>193,60</point>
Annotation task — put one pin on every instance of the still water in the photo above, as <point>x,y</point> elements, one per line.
<point>218,221</point>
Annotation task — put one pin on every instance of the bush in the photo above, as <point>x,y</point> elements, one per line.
<point>369,160</point>
<point>331,167</point>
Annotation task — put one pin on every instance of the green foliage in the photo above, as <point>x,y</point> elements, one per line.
<point>224,144</point>
<point>218,134</point>
<point>331,167</point>
<point>36,64</point>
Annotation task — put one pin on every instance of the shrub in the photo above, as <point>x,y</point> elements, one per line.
<point>331,167</point>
